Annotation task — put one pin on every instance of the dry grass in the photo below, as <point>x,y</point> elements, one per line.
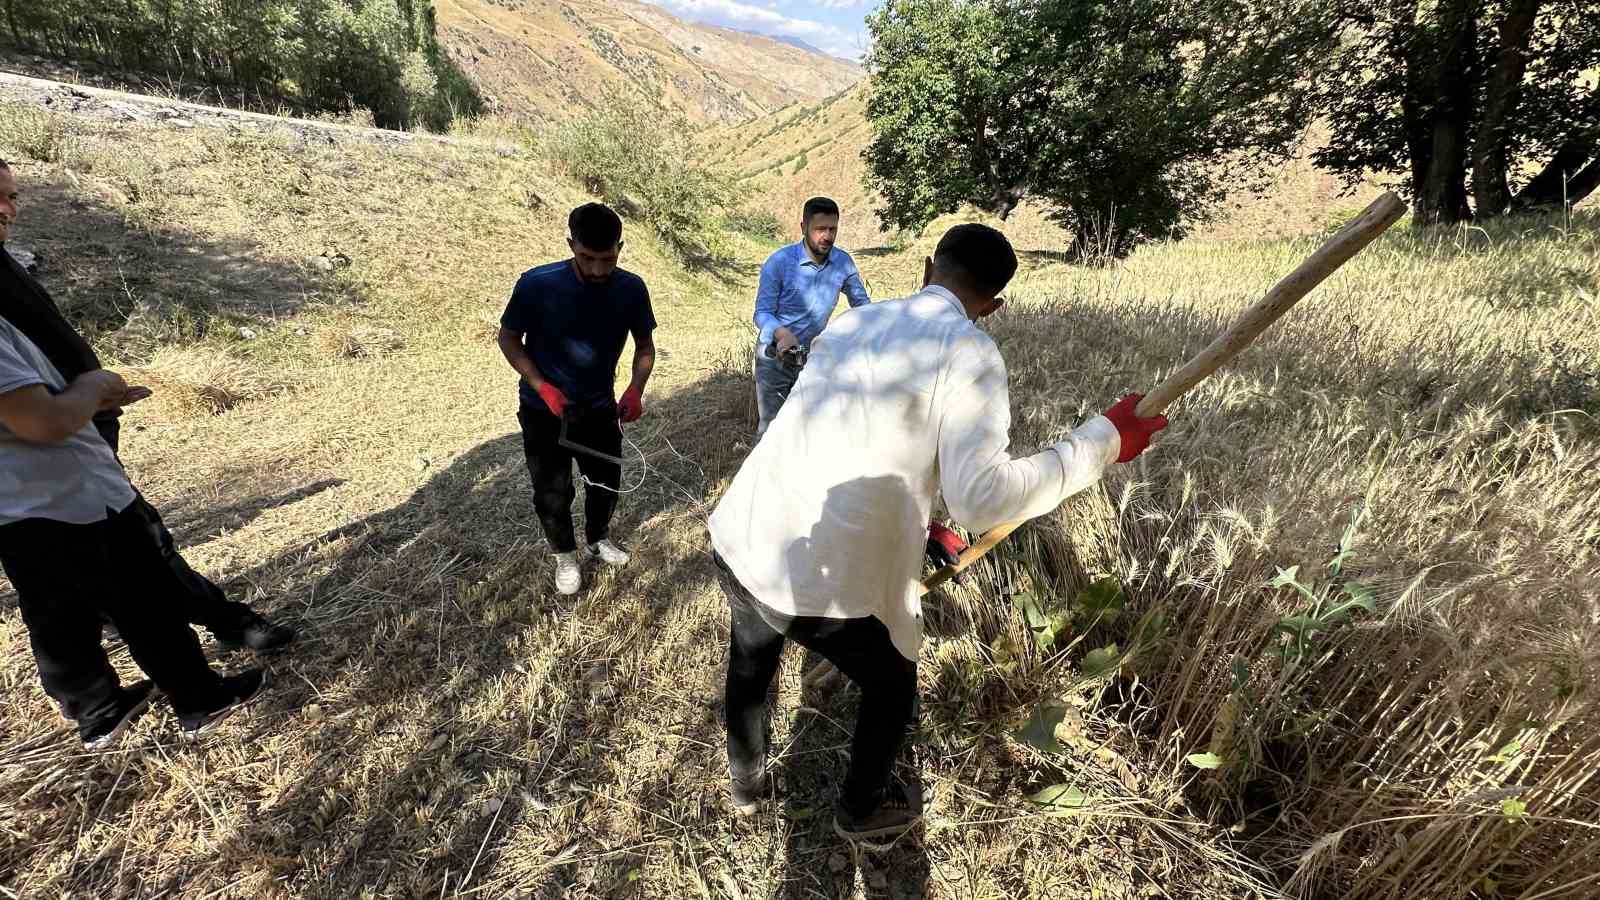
<point>450,726</point>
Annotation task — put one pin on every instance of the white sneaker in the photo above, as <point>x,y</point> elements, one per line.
<point>609,553</point>
<point>568,576</point>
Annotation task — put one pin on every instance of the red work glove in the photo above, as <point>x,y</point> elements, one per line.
<point>944,546</point>
<point>631,406</point>
<point>553,398</point>
<point>1135,430</point>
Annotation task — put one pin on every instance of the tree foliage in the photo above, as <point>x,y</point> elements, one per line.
<point>314,55</point>
<point>1129,120</point>
<point>1484,106</point>
<point>642,160</point>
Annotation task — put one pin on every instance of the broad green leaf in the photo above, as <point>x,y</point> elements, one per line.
<point>1101,661</point>
<point>1289,577</point>
<point>1513,809</point>
<point>1060,796</point>
<point>1362,596</point>
<point>1241,672</point>
<point>1103,600</point>
<point>1039,732</point>
<point>1206,761</point>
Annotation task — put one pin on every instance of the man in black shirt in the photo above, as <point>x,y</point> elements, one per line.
<point>28,306</point>
<point>563,331</point>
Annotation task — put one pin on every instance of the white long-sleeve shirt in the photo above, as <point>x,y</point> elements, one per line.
<point>898,401</point>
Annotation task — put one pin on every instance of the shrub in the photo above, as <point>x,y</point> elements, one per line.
<point>759,223</point>
<point>639,159</point>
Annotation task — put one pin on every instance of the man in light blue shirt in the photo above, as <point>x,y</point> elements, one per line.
<point>800,286</point>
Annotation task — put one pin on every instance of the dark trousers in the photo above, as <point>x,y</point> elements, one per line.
<point>203,602</point>
<point>860,648</point>
<point>67,576</point>
<point>550,467</point>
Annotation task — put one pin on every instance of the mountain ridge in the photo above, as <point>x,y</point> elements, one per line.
<point>546,60</point>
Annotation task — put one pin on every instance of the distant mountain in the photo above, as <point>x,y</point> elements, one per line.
<point>796,42</point>
<point>547,59</point>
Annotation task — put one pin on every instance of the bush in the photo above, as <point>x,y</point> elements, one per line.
<point>639,159</point>
<point>758,223</point>
<point>38,134</point>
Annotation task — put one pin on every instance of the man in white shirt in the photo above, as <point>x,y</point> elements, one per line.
<point>821,534</point>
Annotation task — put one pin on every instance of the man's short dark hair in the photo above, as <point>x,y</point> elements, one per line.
<point>818,206</point>
<point>977,254</point>
<point>596,226</point>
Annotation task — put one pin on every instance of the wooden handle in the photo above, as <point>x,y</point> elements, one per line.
<point>1347,242</point>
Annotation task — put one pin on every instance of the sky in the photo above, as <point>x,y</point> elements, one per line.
<point>835,26</point>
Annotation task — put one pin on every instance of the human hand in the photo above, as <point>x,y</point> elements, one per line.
<point>1134,430</point>
<point>631,406</point>
<point>785,340</point>
<point>553,398</point>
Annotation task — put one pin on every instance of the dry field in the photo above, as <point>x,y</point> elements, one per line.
<point>449,726</point>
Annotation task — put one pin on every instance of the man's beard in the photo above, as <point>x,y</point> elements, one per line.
<point>816,252</point>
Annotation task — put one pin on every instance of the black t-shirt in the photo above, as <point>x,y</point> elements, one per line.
<point>574,331</point>
<point>25,304</point>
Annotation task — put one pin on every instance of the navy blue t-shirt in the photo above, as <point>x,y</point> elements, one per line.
<point>574,331</point>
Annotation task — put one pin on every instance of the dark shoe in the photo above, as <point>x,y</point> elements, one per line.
<point>749,790</point>
<point>239,689</point>
<point>896,814</point>
<point>103,732</point>
<point>259,634</point>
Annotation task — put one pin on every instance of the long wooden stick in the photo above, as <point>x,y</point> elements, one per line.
<point>1347,242</point>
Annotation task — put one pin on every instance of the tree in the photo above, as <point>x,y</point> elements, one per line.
<point>1128,120</point>
<point>313,55</point>
<point>1487,107</point>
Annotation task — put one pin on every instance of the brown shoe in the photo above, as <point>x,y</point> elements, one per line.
<point>897,812</point>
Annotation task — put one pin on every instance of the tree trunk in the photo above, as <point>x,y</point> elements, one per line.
<point>1442,198</point>
<point>1490,193</point>
<point>1572,175</point>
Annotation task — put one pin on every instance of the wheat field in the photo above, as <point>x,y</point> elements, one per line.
<point>448,726</point>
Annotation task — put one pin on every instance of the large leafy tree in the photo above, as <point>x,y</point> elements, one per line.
<point>1128,119</point>
<point>1485,107</point>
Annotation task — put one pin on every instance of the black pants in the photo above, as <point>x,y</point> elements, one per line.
<point>67,576</point>
<point>550,466</point>
<point>860,648</point>
<point>203,602</point>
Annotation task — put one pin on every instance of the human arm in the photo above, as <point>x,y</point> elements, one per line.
<point>983,486</point>
<point>521,317</point>
<point>631,406</point>
<point>854,290</point>
<point>34,414</point>
<point>768,290</point>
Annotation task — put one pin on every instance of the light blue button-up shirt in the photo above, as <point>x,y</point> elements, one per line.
<point>798,294</point>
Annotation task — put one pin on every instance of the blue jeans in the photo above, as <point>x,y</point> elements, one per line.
<point>774,381</point>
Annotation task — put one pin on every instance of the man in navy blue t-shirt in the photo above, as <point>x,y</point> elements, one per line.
<point>563,332</point>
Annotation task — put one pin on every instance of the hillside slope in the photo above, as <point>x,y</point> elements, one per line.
<point>815,148</point>
<point>545,58</point>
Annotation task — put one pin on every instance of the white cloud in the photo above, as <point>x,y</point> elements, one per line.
<point>830,38</point>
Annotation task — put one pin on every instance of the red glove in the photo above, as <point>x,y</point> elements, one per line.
<point>1135,430</point>
<point>553,398</point>
<point>944,546</point>
<point>631,406</point>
